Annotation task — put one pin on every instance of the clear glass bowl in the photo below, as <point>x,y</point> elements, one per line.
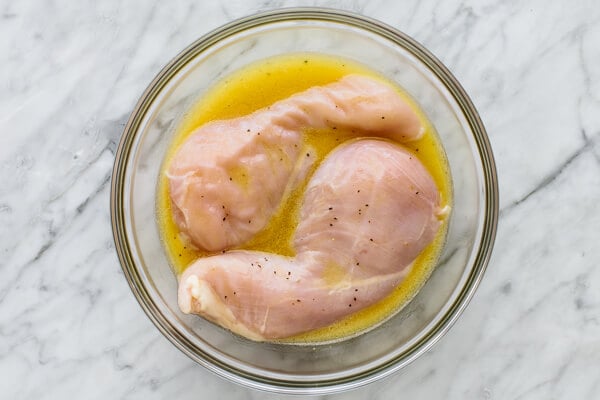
<point>334,366</point>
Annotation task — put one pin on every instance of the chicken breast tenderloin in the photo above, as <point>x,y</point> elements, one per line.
<point>369,210</point>
<point>228,177</point>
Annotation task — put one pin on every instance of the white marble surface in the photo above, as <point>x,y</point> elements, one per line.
<point>71,71</point>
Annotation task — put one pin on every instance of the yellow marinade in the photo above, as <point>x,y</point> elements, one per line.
<point>258,86</point>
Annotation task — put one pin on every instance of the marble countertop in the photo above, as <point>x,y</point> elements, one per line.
<point>70,73</point>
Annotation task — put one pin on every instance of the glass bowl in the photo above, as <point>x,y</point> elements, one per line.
<point>331,367</point>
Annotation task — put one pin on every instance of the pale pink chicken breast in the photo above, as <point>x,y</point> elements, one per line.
<point>376,209</point>
<point>369,210</point>
<point>265,296</point>
<point>228,177</point>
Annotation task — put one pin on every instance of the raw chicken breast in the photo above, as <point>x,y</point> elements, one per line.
<point>372,205</point>
<point>369,210</point>
<point>266,296</point>
<point>228,177</point>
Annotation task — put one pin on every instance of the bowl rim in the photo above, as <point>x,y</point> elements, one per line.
<point>490,197</point>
